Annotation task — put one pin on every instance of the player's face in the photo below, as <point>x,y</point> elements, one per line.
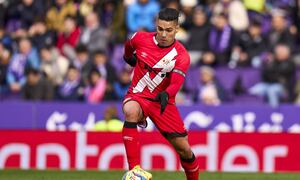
<point>166,31</point>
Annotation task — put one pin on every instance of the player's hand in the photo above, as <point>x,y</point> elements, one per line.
<point>131,61</point>
<point>162,98</point>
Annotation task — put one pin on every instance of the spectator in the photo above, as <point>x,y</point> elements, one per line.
<point>5,38</point>
<point>107,72</point>
<point>140,16</point>
<point>86,7</point>
<point>121,86</point>
<point>183,97</point>
<point>22,15</point>
<point>278,77</point>
<point>273,23</point>
<point>68,39</point>
<point>258,11</point>
<point>236,12</point>
<point>58,12</point>
<point>40,35</point>
<point>251,48</point>
<point>174,4</point>
<point>111,121</point>
<point>280,33</point>
<point>28,12</point>
<point>197,42</point>
<point>93,35</point>
<point>53,65</point>
<point>19,34</point>
<point>297,92</point>
<point>187,7</point>
<point>95,90</point>
<point>82,62</point>
<point>287,5</point>
<point>100,61</point>
<point>210,92</point>
<point>221,41</point>
<point>106,15</point>
<point>37,87</point>
<point>71,88</point>
<point>5,56</point>
<point>2,13</point>
<point>26,57</point>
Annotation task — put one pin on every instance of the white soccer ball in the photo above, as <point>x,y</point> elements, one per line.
<point>131,175</point>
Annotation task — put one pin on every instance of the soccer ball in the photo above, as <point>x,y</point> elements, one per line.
<point>131,175</point>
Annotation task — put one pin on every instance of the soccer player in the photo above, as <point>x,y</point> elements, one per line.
<point>160,63</point>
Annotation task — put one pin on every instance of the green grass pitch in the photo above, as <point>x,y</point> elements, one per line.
<point>116,175</point>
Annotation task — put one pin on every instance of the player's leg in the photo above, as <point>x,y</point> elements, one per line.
<point>172,128</point>
<point>133,114</point>
<point>187,157</point>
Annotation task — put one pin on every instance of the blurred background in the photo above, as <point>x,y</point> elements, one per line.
<point>61,50</point>
<point>62,70</point>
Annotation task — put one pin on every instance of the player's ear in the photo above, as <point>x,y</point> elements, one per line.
<point>177,28</point>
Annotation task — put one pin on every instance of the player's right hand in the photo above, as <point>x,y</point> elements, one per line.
<point>131,61</point>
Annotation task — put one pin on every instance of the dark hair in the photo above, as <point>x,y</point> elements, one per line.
<point>70,17</point>
<point>31,70</point>
<point>99,52</point>
<point>256,23</point>
<point>81,49</point>
<point>223,15</point>
<point>168,14</point>
<point>24,39</point>
<point>72,66</point>
<point>93,71</point>
<point>48,47</point>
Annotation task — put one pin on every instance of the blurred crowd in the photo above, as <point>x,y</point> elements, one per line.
<point>71,50</point>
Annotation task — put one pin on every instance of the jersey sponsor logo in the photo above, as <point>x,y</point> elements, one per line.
<point>166,64</point>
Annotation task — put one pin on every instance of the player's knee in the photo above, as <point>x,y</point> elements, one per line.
<point>132,111</point>
<point>185,152</point>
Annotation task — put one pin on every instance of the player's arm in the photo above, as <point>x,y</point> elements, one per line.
<point>177,79</point>
<point>178,74</point>
<point>129,49</point>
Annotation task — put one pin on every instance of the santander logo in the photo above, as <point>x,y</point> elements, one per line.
<point>103,151</point>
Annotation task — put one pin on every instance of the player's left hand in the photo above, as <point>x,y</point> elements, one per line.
<point>162,98</point>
